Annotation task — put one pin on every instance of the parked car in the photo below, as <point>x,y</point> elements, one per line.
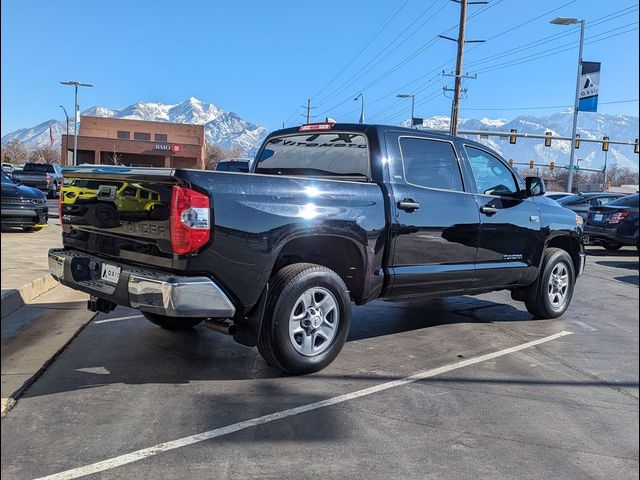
<point>43,176</point>
<point>23,206</point>
<point>8,168</point>
<point>332,213</point>
<point>233,165</point>
<point>615,224</point>
<point>582,202</point>
<point>557,195</point>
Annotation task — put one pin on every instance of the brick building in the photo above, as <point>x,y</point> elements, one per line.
<point>136,142</point>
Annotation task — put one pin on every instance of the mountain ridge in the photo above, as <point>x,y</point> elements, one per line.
<point>226,129</point>
<point>229,130</point>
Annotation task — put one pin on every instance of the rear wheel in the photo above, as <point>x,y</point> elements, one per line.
<point>555,286</point>
<point>172,323</point>
<point>307,319</point>
<point>612,246</point>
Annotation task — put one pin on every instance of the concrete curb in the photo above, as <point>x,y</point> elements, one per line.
<point>13,299</point>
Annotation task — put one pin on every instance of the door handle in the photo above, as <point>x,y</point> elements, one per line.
<point>408,205</point>
<point>488,210</point>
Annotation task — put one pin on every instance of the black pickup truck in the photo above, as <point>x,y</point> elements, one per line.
<point>329,214</point>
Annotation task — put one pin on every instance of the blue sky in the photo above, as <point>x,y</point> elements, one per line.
<point>262,60</point>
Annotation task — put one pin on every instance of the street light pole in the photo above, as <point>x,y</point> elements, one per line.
<point>573,21</point>
<point>361,96</point>
<point>76,117</point>
<point>413,104</point>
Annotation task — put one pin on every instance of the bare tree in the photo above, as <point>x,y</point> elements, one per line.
<point>115,158</point>
<point>14,152</point>
<point>215,153</point>
<point>622,176</point>
<point>45,154</point>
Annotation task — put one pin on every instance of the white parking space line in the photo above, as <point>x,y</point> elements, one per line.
<point>585,326</point>
<point>219,432</point>
<point>107,320</point>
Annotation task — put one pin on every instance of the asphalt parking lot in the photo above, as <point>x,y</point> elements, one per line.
<point>498,395</point>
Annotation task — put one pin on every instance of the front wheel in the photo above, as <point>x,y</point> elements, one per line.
<point>612,247</point>
<point>172,323</point>
<point>555,286</point>
<point>307,319</point>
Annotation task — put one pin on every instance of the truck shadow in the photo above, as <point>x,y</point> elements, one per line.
<point>625,252</point>
<point>132,351</point>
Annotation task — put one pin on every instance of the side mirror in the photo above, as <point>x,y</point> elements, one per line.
<point>535,186</point>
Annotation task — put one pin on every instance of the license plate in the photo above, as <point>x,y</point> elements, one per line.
<point>597,217</point>
<point>110,273</point>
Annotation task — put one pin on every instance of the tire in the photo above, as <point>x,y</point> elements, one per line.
<point>310,344</point>
<point>31,229</point>
<point>555,262</point>
<point>172,323</point>
<point>612,247</point>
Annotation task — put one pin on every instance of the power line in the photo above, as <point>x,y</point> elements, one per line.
<point>555,50</point>
<point>546,39</point>
<point>538,42</point>
<point>411,56</point>
<point>364,70</point>
<point>366,45</point>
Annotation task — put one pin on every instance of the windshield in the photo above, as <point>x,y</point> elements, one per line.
<point>238,167</point>
<point>39,167</point>
<point>6,179</point>
<point>630,201</point>
<point>316,154</point>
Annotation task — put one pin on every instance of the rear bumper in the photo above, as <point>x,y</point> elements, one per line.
<point>598,234</point>
<point>147,290</point>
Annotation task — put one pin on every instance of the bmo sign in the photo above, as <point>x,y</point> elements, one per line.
<point>173,148</point>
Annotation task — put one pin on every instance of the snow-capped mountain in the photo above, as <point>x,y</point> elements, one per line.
<point>222,128</point>
<point>590,125</point>
<point>230,131</point>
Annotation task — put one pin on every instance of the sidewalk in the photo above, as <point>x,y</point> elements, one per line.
<point>34,334</point>
<point>39,316</point>
<point>25,268</point>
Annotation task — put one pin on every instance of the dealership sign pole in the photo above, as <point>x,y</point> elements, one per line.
<point>576,106</point>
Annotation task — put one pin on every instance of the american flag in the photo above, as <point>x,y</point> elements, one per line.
<point>51,136</point>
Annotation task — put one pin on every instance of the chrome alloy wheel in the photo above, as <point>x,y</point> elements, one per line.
<point>313,323</point>
<point>558,286</point>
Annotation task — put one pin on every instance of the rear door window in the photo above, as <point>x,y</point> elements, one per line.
<point>339,154</point>
<point>430,163</point>
<point>630,201</point>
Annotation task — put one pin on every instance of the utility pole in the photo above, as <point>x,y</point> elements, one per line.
<point>455,104</point>
<point>309,108</point>
<point>457,89</point>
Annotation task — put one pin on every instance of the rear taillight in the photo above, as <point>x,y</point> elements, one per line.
<point>190,224</point>
<point>618,217</point>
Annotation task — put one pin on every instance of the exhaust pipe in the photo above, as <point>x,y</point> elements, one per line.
<point>224,327</point>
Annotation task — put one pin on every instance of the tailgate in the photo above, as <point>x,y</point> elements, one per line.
<point>126,214</point>
<point>30,177</point>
